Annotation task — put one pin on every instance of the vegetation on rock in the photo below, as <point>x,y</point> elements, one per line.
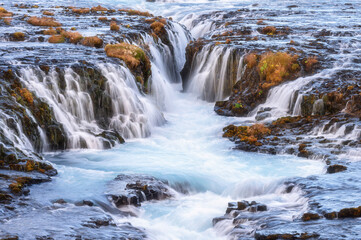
<point>43,21</point>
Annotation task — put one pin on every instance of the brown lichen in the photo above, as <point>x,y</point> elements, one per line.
<point>269,30</point>
<point>5,13</point>
<point>136,12</point>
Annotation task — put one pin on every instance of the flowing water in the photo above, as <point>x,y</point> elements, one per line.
<point>171,135</point>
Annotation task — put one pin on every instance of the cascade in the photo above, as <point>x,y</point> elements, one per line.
<point>214,71</point>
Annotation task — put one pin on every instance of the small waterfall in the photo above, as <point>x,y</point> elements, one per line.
<point>214,71</point>
<point>198,28</point>
<point>133,115</point>
<point>167,63</point>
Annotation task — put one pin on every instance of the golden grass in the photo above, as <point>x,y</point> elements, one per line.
<point>276,67</point>
<point>92,42</point>
<point>309,63</point>
<point>47,13</point>
<point>251,60</point>
<point>130,54</point>
<point>136,12</point>
<point>5,13</point>
<point>81,10</point>
<point>248,134</point>
<point>114,26</point>
<point>56,39</point>
<point>74,37</point>
<point>103,19</point>
<point>99,9</point>
<point>50,31</point>
<point>43,21</point>
<point>269,30</point>
<point>26,95</point>
<point>18,36</point>
<point>158,28</point>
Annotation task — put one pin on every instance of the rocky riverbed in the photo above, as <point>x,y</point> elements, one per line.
<point>281,79</point>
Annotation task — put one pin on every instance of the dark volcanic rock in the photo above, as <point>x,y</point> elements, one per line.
<point>134,189</point>
<point>336,168</point>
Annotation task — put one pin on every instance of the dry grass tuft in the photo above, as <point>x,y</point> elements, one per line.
<point>47,13</point>
<point>310,63</point>
<point>269,30</point>
<point>92,42</point>
<point>50,31</point>
<point>43,21</point>
<point>56,39</point>
<point>18,36</point>
<point>74,37</point>
<point>130,54</point>
<point>248,134</point>
<point>99,9</point>
<point>158,28</point>
<point>136,12</point>
<point>251,60</point>
<point>114,26</point>
<point>276,67</point>
<point>103,19</point>
<point>5,13</point>
<point>81,10</point>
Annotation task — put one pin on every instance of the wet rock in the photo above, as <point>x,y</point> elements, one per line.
<point>134,189</point>
<point>310,216</point>
<point>289,236</point>
<point>99,222</point>
<point>349,213</point>
<point>60,201</point>
<point>336,168</point>
<point>84,203</point>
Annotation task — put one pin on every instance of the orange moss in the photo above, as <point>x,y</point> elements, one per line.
<point>248,134</point>
<point>5,13</point>
<point>251,60</point>
<point>47,13</point>
<point>92,42</point>
<point>114,26</point>
<point>18,36</point>
<point>309,63</point>
<point>50,31</point>
<point>228,41</point>
<point>43,21</point>
<point>7,21</point>
<point>74,37</point>
<point>80,10</point>
<point>130,54</point>
<point>99,9</point>
<point>158,28</point>
<point>276,67</point>
<point>103,19</point>
<point>26,95</point>
<point>269,30</point>
<point>136,12</point>
<point>56,39</point>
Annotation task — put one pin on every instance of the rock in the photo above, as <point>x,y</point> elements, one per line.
<point>310,216</point>
<point>60,201</point>
<point>336,168</point>
<point>288,236</point>
<point>350,212</point>
<point>331,215</point>
<point>219,219</point>
<point>84,203</point>
<point>99,222</point>
<point>134,189</point>
<point>262,116</point>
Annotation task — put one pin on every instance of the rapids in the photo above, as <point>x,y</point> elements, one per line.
<point>171,134</point>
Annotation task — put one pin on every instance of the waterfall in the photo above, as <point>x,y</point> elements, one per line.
<point>212,72</point>
<point>133,114</point>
